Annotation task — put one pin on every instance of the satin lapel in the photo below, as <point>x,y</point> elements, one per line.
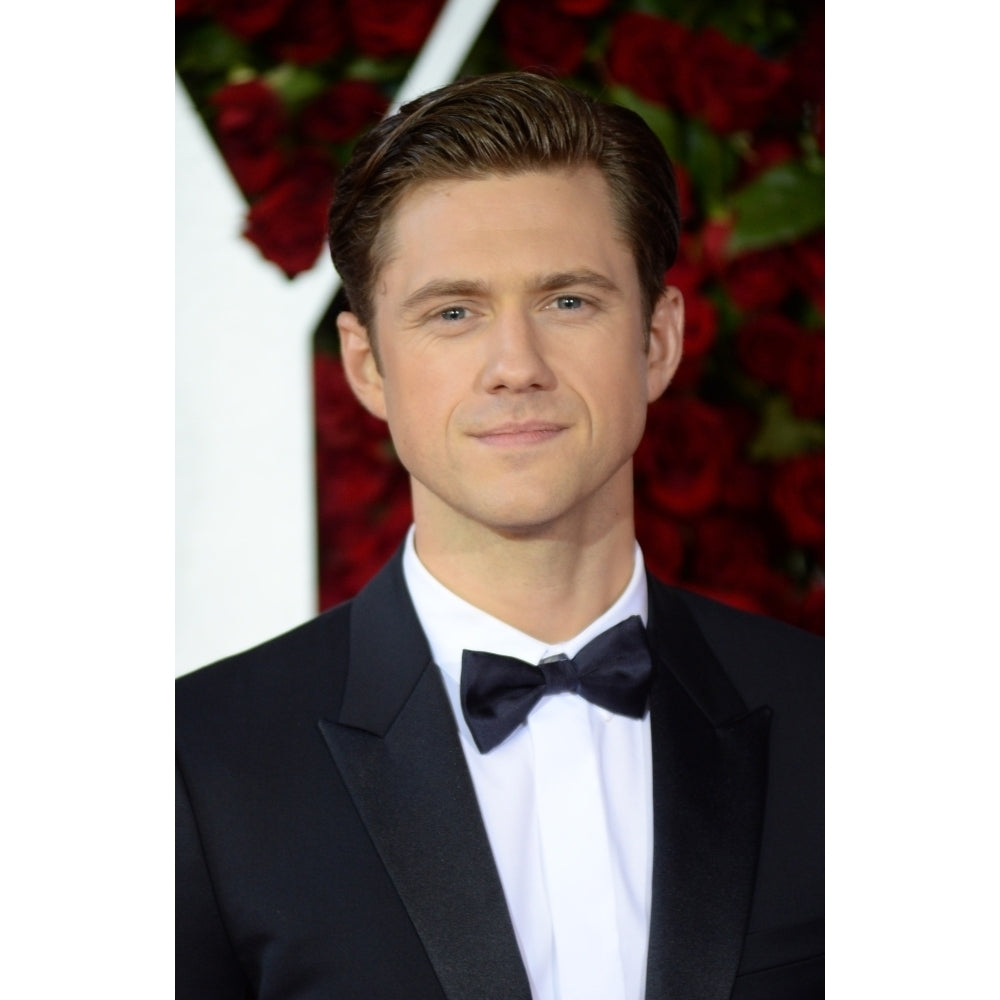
<point>709,777</point>
<point>396,745</point>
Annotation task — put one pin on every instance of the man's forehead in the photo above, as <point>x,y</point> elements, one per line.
<point>586,178</point>
<point>446,229</point>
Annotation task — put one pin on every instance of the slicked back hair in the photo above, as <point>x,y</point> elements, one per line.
<point>502,125</point>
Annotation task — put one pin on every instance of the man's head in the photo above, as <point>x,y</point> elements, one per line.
<point>502,125</point>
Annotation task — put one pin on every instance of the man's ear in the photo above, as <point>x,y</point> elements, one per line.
<point>666,341</point>
<point>360,365</point>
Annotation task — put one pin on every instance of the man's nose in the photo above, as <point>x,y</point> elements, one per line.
<point>515,356</point>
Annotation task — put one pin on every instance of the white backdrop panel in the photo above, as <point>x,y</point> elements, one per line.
<point>245,493</point>
<point>245,524</point>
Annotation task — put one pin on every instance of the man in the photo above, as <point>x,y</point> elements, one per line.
<point>626,803</point>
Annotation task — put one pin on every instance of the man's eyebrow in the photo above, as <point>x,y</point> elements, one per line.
<point>443,289</point>
<point>446,288</point>
<point>566,279</point>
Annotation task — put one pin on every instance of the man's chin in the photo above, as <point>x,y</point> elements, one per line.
<point>528,521</point>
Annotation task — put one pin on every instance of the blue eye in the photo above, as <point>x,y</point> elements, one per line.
<point>453,315</point>
<point>569,302</point>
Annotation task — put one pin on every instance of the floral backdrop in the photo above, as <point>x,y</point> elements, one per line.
<point>729,477</point>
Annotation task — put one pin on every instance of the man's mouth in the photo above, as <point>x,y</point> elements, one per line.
<point>519,433</point>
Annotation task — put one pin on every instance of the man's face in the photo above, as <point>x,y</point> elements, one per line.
<point>513,373</point>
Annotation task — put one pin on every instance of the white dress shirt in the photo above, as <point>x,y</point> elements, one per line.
<point>566,801</point>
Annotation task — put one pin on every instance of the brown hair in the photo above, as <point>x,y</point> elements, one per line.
<point>503,124</point>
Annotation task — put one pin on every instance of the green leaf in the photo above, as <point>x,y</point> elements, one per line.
<point>761,24</point>
<point>392,69</point>
<point>209,50</point>
<point>296,84</point>
<point>658,118</point>
<point>782,434</point>
<point>686,12</point>
<point>711,162</point>
<point>780,206</point>
<point>486,56</point>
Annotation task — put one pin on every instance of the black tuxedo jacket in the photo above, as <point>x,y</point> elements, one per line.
<point>330,843</point>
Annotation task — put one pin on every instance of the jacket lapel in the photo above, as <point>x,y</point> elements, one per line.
<point>709,775</point>
<point>397,748</point>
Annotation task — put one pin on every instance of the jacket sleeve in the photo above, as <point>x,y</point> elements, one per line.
<point>206,965</point>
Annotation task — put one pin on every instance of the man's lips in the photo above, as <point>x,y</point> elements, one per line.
<point>515,434</point>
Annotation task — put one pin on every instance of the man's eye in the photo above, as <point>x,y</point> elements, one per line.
<point>453,315</point>
<point>569,302</point>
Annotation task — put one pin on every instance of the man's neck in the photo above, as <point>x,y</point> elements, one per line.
<point>550,585</point>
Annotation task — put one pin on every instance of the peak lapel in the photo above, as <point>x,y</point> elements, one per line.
<point>709,775</point>
<point>397,748</point>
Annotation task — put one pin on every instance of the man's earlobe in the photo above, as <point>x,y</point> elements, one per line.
<point>666,341</point>
<point>360,365</point>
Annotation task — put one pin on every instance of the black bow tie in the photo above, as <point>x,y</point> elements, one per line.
<point>612,671</point>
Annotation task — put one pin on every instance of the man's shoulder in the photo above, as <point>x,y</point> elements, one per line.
<point>762,656</point>
<point>306,664</point>
<point>721,619</point>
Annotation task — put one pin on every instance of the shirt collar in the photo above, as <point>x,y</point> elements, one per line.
<point>452,624</point>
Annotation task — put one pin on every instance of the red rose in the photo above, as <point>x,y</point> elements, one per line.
<point>805,376</point>
<point>807,61</point>
<point>726,84</point>
<point>798,496</point>
<point>536,36</point>
<point>765,347</point>
<point>686,274</point>
<point>388,27</point>
<point>309,32</point>
<point>760,280</point>
<point>182,8</point>
<point>363,491</point>
<point>343,111</point>
<point>356,482</point>
<point>342,423</point>
<point>643,53</point>
<point>660,538</point>
<point>802,92</point>
<point>729,558</point>
<point>355,542</point>
<point>700,323</point>
<point>249,124</point>
<point>812,610</point>
<point>807,264</point>
<point>582,8</point>
<point>685,195</point>
<point>688,374</point>
<point>727,551</point>
<point>769,153</point>
<point>734,598</point>
<point>778,595</point>
<point>743,423</point>
<point>713,243</point>
<point>744,486</point>
<point>680,461</point>
<point>249,18</point>
<point>347,435</point>
<point>350,554</point>
<point>352,551</point>
<point>288,222</point>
